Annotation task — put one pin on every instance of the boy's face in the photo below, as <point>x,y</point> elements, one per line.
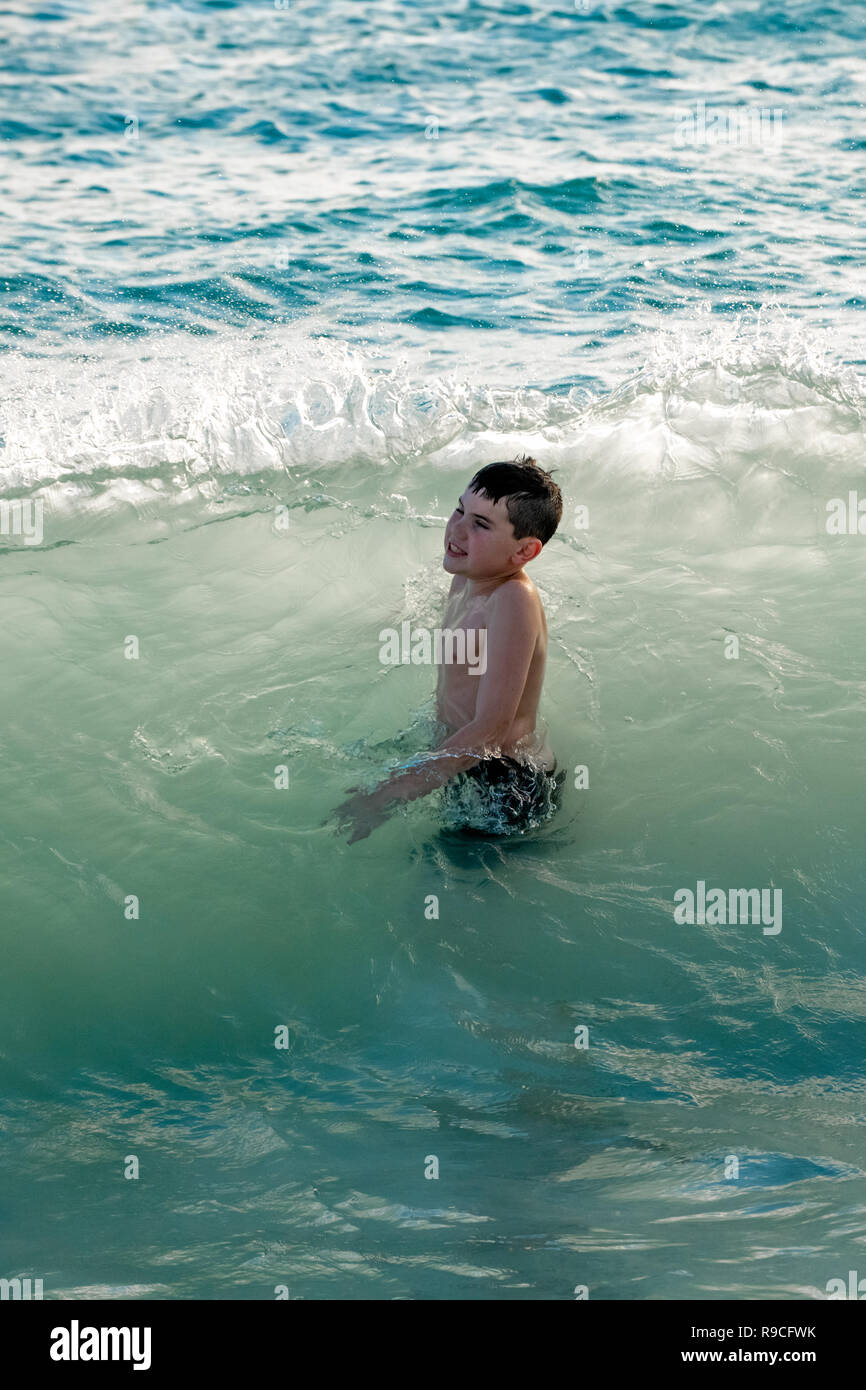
<point>480,540</point>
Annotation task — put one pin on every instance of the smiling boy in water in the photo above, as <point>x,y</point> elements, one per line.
<point>506,515</point>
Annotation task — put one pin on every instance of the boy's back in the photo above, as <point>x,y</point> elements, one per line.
<point>459,682</point>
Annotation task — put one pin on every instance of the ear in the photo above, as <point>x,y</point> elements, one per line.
<point>530,546</point>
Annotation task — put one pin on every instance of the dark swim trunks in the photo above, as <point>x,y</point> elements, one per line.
<point>500,796</point>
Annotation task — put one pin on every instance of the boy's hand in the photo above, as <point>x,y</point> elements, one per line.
<point>363,812</point>
<point>367,809</point>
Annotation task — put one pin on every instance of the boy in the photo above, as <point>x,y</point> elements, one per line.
<point>492,755</point>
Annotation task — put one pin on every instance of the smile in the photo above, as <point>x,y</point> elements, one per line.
<point>452,549</point>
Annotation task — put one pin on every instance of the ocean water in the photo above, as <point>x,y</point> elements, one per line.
<point>277,279</point>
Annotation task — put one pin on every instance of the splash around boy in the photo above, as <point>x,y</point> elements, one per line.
<point>506,515</point>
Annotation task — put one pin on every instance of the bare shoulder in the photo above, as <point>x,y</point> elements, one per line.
<point>519,600</point>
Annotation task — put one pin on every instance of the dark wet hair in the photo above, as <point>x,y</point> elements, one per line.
<point>532,498</point>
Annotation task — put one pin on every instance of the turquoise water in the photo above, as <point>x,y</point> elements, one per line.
<point>277,282</point>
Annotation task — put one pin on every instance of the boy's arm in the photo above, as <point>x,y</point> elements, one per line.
<point>512,632</point>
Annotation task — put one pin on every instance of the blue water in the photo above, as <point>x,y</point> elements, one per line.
<point>315,265</point>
